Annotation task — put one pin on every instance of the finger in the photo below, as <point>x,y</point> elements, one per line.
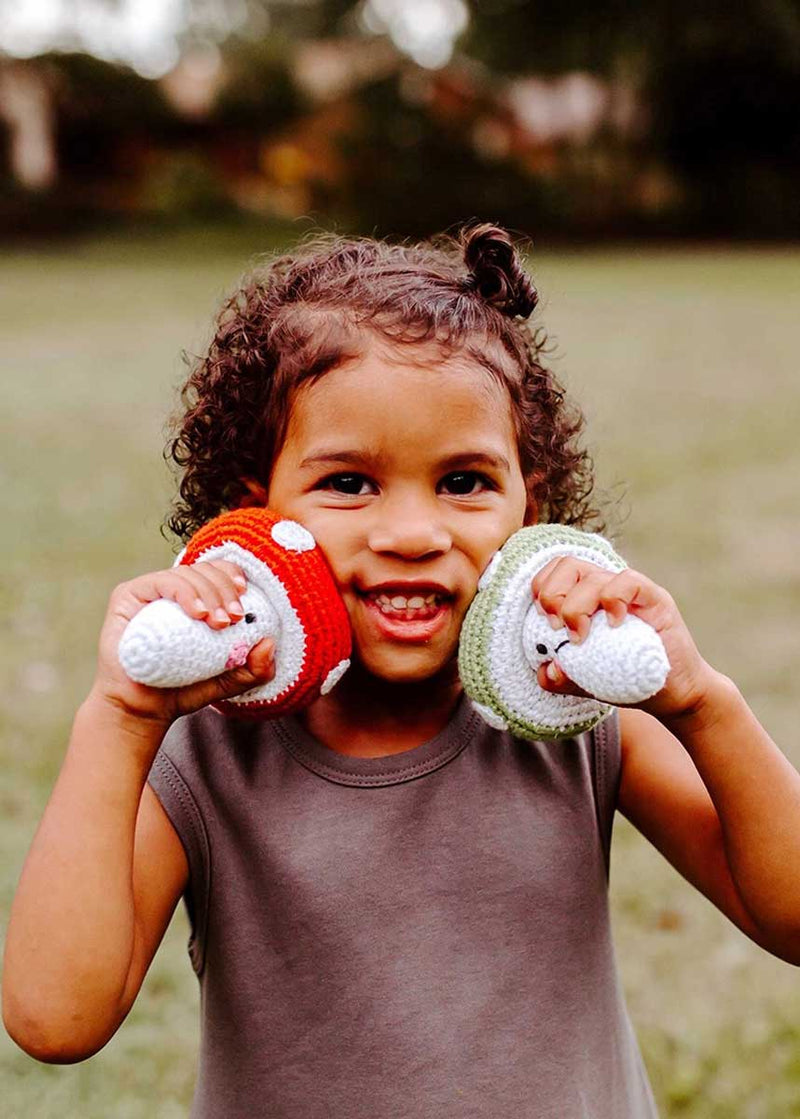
<point>211,595</point>
<point>552,678</point>
<point>616,610</point>
<point>582,602</point>
<point>258,669</point>
<point>221,578</point>
<point>629,590</point>
<point>541,577</point>
<point>199,597</point>
<point>227,576</point>
<point>261,659</point>
<point>552,584</point>
<point>552,576</point>
<point>232,570</point>
<point>201,592</point>
<point>175,584</point>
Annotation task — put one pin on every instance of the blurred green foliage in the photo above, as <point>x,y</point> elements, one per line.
<point>259,91</point>
<point>685,363</point>
<point>413,174</point>
<point>724,91</point>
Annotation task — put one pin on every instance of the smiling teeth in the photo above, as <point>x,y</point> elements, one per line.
<point>400,602</point>
<point>397,604</point>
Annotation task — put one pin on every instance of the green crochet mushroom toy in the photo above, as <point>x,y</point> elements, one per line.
<point>504,640</point>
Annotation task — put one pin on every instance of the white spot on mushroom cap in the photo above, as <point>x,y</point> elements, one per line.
<point>488,574</point>
<point>334,676</point>
<point>292,536</point>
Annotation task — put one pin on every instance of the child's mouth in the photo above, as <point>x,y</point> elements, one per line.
<point>407,617</point>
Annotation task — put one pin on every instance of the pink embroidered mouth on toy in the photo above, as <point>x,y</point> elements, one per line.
<point>291,596</point>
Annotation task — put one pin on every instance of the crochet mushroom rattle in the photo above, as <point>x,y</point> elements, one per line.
<point>291,597</point>
<point>504,640</point>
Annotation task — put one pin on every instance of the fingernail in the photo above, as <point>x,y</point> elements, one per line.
<point>240,581</point>
<point>552,673</point>
<point>555,623</point>
<point>574,637</point>
<point>200,606</point>
<point>235,608</point>
<point>220,615</point>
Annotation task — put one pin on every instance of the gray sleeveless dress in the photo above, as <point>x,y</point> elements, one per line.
<point>412,936</point>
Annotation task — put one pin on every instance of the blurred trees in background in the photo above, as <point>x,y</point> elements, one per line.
<point>723,83</point>
<point>657,118</point>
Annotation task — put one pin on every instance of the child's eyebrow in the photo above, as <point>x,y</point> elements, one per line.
<point>476,458</point>
<point>369,460</point>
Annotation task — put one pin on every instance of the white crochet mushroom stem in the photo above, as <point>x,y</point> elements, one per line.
<point>164,648</point>
<point>285,626</point>
<point>614,664</point>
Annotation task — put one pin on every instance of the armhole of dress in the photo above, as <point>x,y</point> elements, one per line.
<point>185,816</point>
<point>606,775</point>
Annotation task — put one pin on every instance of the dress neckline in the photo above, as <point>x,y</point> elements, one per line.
<point>392,769</point>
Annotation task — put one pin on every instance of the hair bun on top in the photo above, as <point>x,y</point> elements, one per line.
<point>495,271</point>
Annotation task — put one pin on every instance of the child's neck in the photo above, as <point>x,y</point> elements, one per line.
<point>367,717</point>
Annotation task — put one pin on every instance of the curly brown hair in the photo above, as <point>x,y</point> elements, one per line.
<point>306,313</point>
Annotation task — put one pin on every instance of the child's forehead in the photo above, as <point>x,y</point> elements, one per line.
<point>384,376</point>
<point>473,353</point>
<point>382,400</point>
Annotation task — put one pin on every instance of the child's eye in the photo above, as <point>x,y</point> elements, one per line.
<point>350,484</point>
<point>466,482</point>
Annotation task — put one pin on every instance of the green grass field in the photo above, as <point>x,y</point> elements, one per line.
<point>686,363</point>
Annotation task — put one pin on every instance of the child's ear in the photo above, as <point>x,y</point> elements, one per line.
<point>256,495</point>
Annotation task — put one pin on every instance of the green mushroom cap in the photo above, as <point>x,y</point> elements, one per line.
<point>492,663</point>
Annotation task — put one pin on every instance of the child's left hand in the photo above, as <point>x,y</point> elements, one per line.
<point>569,591</point>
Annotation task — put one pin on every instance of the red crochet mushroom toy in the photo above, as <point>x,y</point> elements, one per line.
<point>291,596</point>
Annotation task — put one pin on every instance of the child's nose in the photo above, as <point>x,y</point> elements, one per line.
<point>409,529</point>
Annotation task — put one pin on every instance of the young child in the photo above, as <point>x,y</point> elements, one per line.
<point>396,910</point>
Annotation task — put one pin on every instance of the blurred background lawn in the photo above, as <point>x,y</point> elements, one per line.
<point>685,360</point>
<point>652,151</point>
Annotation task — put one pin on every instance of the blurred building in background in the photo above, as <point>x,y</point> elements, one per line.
<point>404,116</point>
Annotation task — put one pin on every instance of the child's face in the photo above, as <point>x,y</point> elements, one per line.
<point>408,477</point>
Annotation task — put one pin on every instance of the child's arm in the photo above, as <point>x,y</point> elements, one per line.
<point>106,868</point>
<point>718,798</point>
<point>701,778</point>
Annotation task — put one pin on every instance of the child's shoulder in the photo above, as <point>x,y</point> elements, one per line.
<point>204,758</point>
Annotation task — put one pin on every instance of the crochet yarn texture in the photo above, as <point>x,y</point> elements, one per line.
<point>291,597</point>
<point>504,640</point>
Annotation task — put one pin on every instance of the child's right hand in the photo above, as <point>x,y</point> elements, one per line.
<point>207,591</point>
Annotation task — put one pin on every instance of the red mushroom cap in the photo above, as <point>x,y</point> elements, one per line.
<point>292,555</point>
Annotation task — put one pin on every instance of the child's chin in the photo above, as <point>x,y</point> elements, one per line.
<point>409,666</point>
